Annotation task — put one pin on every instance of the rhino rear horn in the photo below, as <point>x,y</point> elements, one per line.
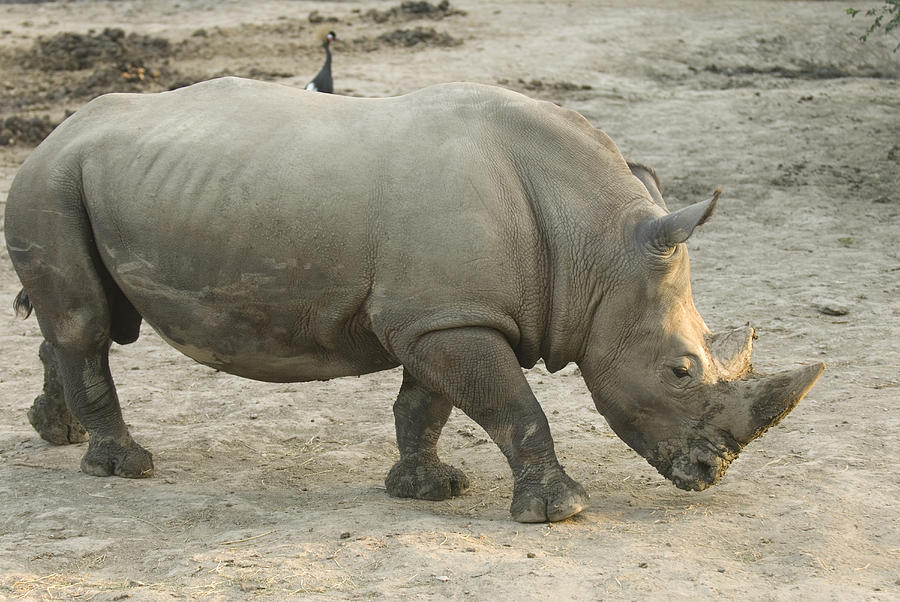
<point>731,351</point>
<point>669,230</point>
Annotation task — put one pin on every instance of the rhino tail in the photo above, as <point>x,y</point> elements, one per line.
<point>22,304</point>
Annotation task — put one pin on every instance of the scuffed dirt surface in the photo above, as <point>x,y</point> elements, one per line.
<point>276,490</point>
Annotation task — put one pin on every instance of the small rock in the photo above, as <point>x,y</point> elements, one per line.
<point>830,307</point>
<point>345,535</point>
<point>644,565</point>
<point>531,555</point>
<point>443,578</point>
<point>247,586</point>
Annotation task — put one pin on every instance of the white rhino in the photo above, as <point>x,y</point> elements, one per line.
<point>462,232</point>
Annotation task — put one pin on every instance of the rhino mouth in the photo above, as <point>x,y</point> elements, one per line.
<point>691,465</point>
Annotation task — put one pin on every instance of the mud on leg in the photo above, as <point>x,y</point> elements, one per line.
<point>420,415</point>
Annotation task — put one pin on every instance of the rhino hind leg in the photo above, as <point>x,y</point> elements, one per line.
<point>419,416</point>
<point>478,372</point>
<point>79,403</point>
<point>92,400</point>
<point>80,311</point>
<point>49,415</point>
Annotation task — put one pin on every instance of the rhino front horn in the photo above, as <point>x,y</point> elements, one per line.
<point>765,400</point>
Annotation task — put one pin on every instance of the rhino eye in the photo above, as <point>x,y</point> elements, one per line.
<point>681,372</point>
<point>683,369</point>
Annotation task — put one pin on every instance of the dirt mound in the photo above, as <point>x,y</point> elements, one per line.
<point>409,11</point>
<point>73,51</point>
<point>315,18</point>
<point>555,91</point>
<point>746,60</point>
<point>536,85</point>
<point>83,66</point>
<point>127,78</point>
<point>24,130</point>
<point>426,36</point>
<point>804,70</point>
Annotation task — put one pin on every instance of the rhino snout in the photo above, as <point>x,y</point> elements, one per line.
<point>692,465</point>
<point>739,411</point>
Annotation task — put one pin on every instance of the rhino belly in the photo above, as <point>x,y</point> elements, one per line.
<point>304,366</point>
<point>274,327</point>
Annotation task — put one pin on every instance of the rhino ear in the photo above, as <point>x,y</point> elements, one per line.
<point>647,176</point>
<point>665,232</point>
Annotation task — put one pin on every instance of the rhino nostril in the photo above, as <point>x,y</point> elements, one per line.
<point>707,464</point>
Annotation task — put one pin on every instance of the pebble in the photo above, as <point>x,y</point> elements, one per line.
<point>830,307</point>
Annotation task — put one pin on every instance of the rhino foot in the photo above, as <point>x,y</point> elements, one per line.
<point>54,423</point>
<point>555,496</point>
<point>423,479</point>
<point>109,456</point>
<point>49,415</point>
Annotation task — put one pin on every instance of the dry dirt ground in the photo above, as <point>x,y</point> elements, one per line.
<point>276,491</point>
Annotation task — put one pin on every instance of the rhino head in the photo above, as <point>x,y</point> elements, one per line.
<point>684,398</point>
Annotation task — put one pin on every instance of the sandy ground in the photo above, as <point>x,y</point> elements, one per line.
<point>274,490</point>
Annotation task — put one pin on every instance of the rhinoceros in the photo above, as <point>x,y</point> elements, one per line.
<point>463,232</point>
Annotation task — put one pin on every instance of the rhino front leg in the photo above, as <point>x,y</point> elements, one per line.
<point>420,415</point>
<point>49,415</point>
<point>92,400</point>
<point>477,370</point>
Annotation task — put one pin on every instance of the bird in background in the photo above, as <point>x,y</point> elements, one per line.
<point>322,82</point>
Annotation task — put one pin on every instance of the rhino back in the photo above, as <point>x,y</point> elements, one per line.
<point>283,235</point>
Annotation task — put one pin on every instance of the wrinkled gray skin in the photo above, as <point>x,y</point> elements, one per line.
<point>461,231</point>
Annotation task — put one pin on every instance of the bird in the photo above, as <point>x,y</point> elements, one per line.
<point>322,82</point>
